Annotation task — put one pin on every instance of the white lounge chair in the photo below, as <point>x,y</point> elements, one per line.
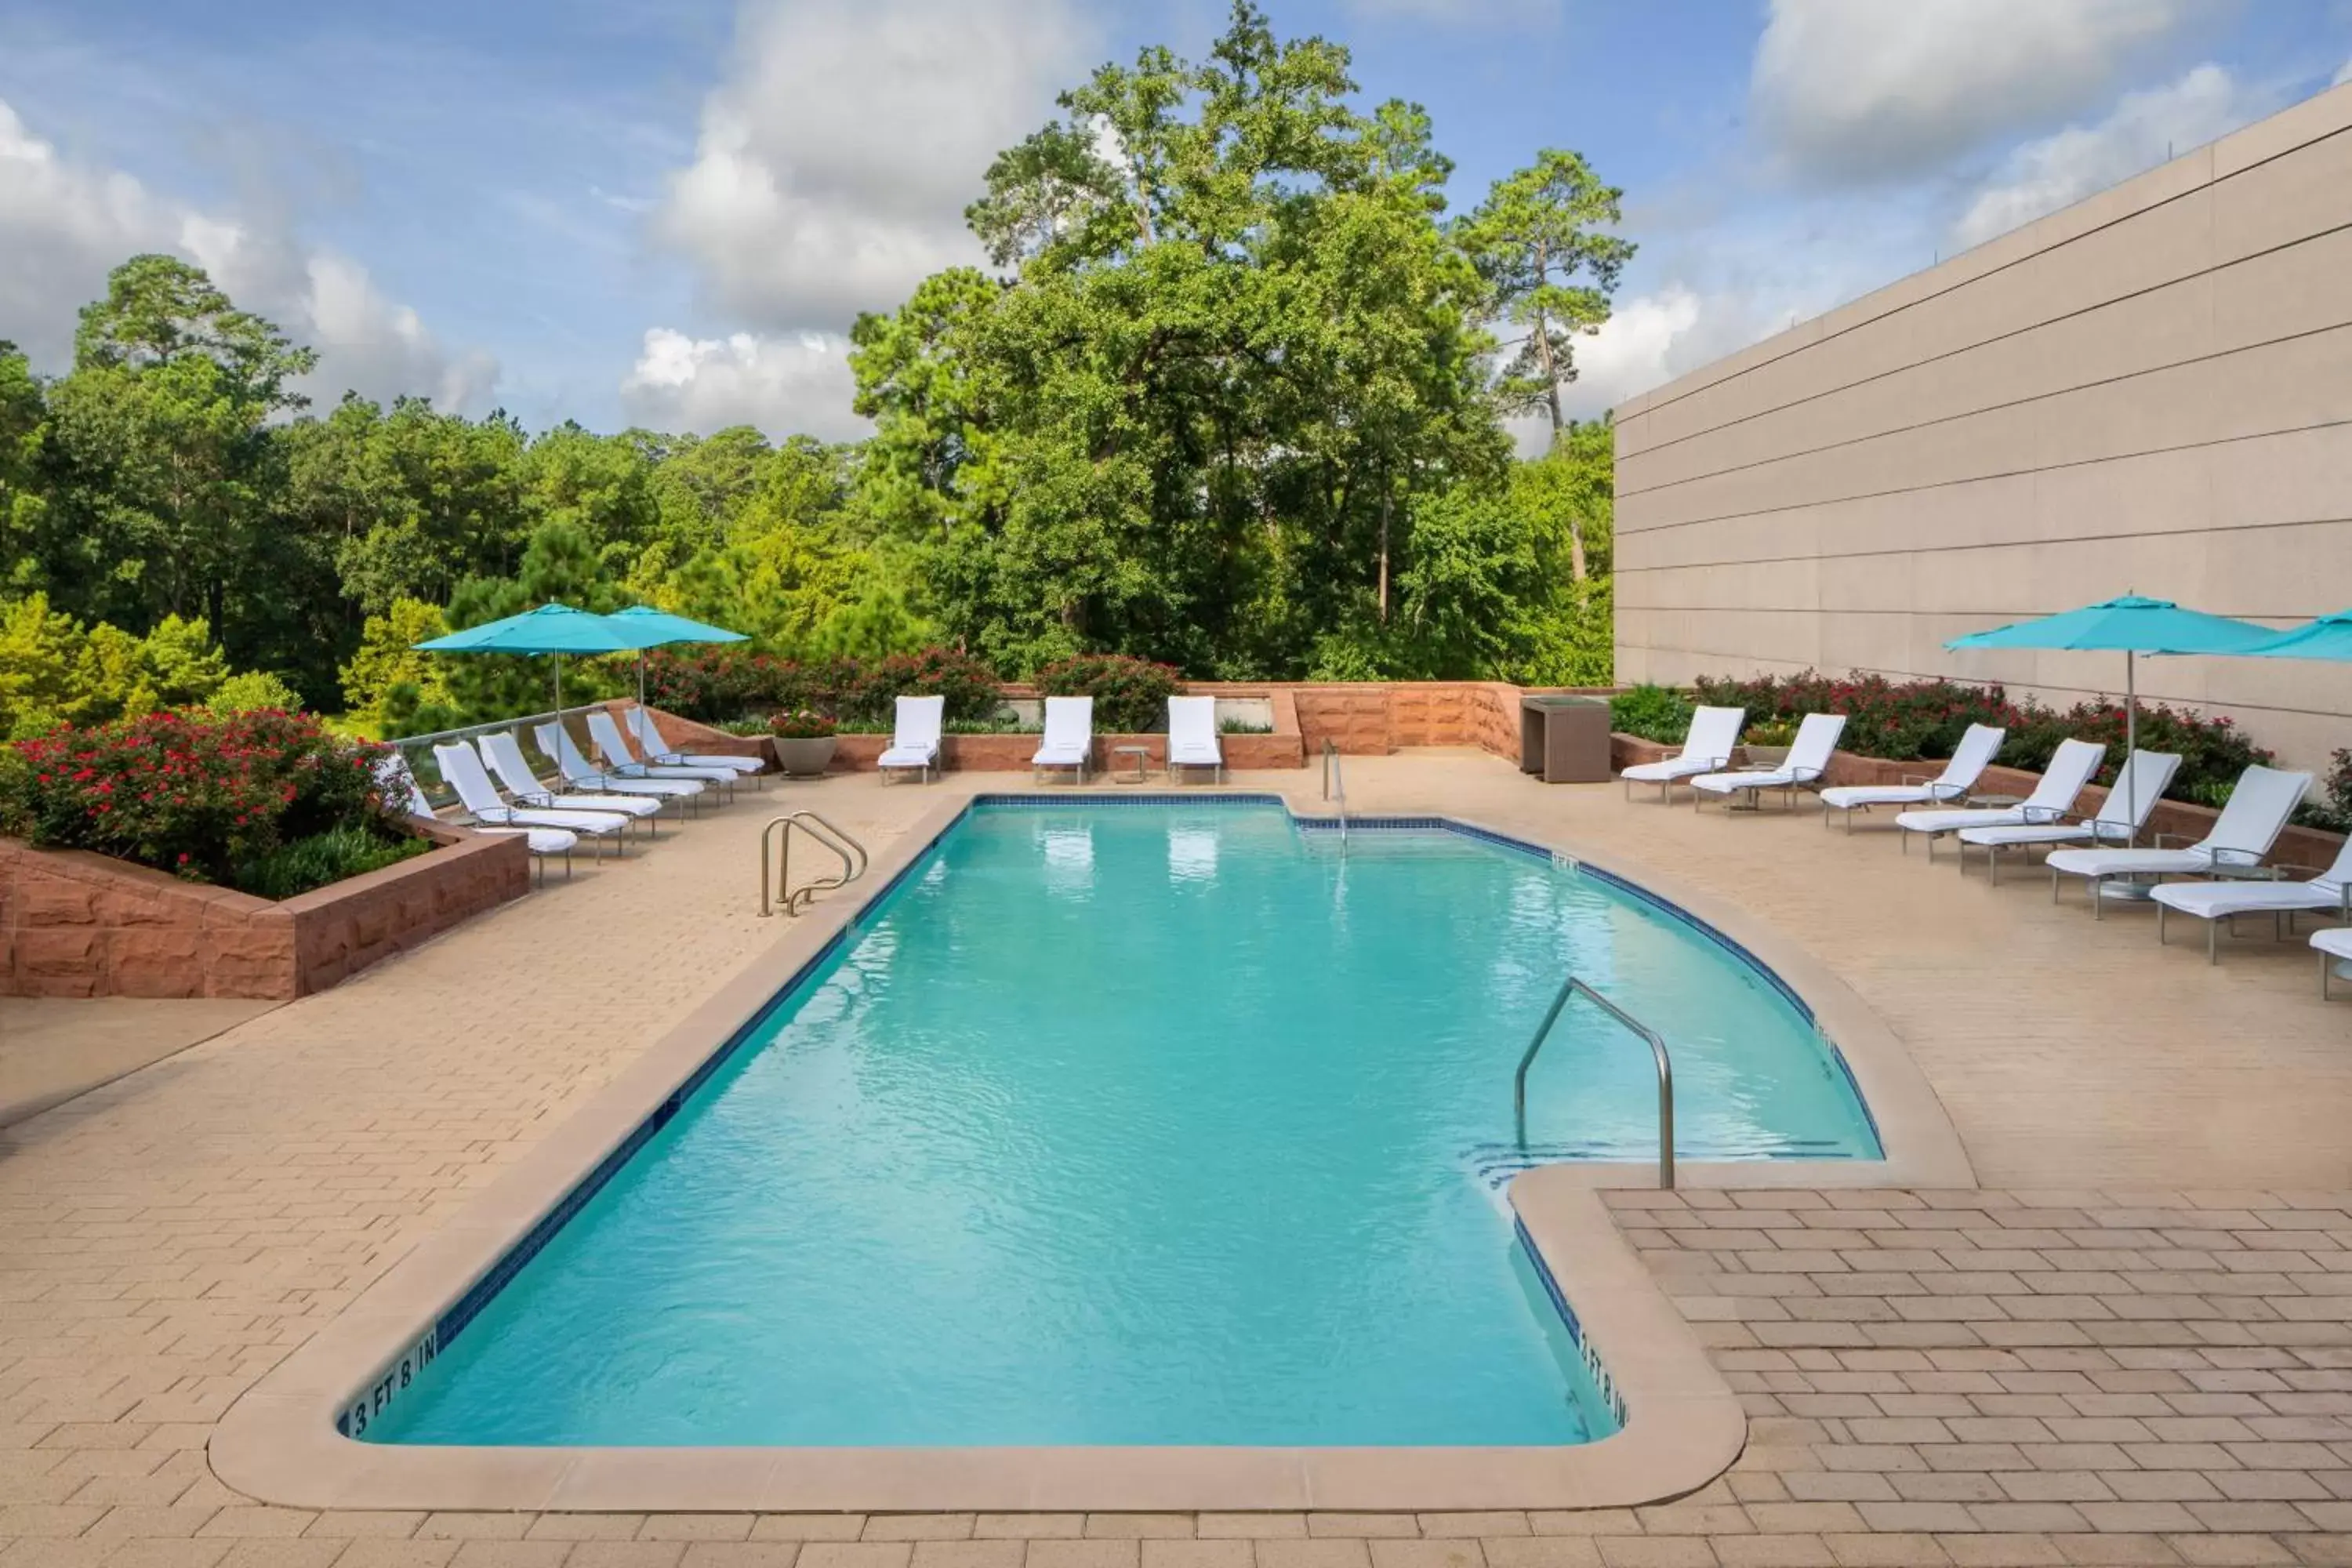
<point>2335,947</point>
<point>916,725</point>
<point>401,787</point>
<point>463,768</point>
<point>2138,785</point>
<point>1192,736</point>
<point>503,753</point>
<point>2071,767</point>
<point>649,741</point>
<point>1706,749</point>
<point>554,743</point>
<point>1808,760</point>
<point>2259,807</point>
<point>1969,760</point>
<point>1070,736</point>
<point>613,747</point>
<point>2329,892</point>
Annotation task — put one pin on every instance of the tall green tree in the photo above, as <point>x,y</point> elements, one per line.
<point>1237,349</point>
<point>1540,241</point>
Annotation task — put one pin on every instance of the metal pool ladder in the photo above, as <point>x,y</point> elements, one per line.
<point>853,856</point>
<point>1573,986</point>
<point>1335,775</point>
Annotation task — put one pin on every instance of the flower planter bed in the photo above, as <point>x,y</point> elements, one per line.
<point>73,923</point>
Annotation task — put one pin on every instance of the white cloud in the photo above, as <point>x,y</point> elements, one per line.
<point>786,384</point>
<point>1870,89</point>
<point>2142,131</point>
<point>834,164</point>
<point>66,225</point>
<point>2343,74</point>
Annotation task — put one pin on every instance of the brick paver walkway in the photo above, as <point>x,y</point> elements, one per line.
<point>1995,1377</point>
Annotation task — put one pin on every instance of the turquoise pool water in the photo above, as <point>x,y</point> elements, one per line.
<point>1138,1124</point>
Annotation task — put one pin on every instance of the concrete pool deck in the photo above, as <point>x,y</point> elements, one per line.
<point>1912,1395</point>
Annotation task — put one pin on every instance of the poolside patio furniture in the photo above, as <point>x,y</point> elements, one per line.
<point>1706,749</point>
<point>2072,766</point>
<point>915,737</point>
<point>2259,807</point>
<point>1070,736</point>
<point>1808,760</point>
<point>462,767</point>
<point>1192,736</point>
<point>554,743</point>
<point>656,750</point>
<point>400,786</point>
<point>614,748</point>
<point>503,752</point>
<point>2130,801</point>
<point>2335,948</point>
<point>1969,760</point>
<point>2329,892</point>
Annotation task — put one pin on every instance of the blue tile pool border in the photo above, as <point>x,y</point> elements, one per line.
<point>359,1412</point>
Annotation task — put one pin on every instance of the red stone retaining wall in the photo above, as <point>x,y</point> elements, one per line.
<point>2180,818</point>
<point>77,924</point>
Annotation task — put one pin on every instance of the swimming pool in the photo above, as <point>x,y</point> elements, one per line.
<point>1137,1124</point>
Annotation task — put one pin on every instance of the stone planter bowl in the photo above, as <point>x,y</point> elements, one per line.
<point>804,758</point>
<point>1763,756</point>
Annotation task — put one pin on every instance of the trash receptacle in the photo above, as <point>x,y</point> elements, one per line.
<point>1564,738</point>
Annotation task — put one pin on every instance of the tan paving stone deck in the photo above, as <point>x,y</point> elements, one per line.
<point>2131,1346</point>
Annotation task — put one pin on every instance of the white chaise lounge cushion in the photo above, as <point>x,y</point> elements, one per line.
<point>1193,734</point>
<point>915,739</point>
<point>504,753</point>
<point>2130,801</point>
<point>649,741</point>
<point>1809,758</point>
<point>554,743</point>
<point>2249,825</point>
<point>2335,942</point>
<point>2071,767</point>
<point>1069,734</point>
<point>1706,747</point>
<point>615,746</point>
<point>1970,759</point>
<point>463,769</point>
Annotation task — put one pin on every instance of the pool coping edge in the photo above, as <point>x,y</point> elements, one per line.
<point>1684,1425</point>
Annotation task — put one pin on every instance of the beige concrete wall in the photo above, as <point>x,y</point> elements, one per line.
<point>2151,390</point>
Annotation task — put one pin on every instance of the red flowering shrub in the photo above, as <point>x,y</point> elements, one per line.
<point>1131,694</point>
<point>198,794</point>
<point>1914,719</point>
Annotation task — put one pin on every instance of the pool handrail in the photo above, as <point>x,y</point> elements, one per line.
<point>853,855</point>
<point>1333,773</point>
<point>1573,986</point>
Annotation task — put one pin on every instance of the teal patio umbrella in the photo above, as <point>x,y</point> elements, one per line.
<point>551,628</point>
<point>2130,625</point>
<point>2329,637</point>
<point>658,628</point>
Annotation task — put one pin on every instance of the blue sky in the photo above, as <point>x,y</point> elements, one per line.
<point>667,210</point>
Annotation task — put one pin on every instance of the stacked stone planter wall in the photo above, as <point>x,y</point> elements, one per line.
<point>1368,718</point>
<point>77,924</point>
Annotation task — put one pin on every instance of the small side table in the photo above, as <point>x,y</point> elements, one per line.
<point>1140,757</point>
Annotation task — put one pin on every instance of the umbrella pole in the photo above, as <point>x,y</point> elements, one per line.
<point>2131,745</point>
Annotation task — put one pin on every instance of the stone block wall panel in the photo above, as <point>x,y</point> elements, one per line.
<point>77,924</point>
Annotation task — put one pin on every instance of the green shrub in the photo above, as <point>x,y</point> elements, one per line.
<point>252,690</point>
<point>1652,712</point>
<point>323,857</point>
<point>1131,694</point>
<point>2333,812</point>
